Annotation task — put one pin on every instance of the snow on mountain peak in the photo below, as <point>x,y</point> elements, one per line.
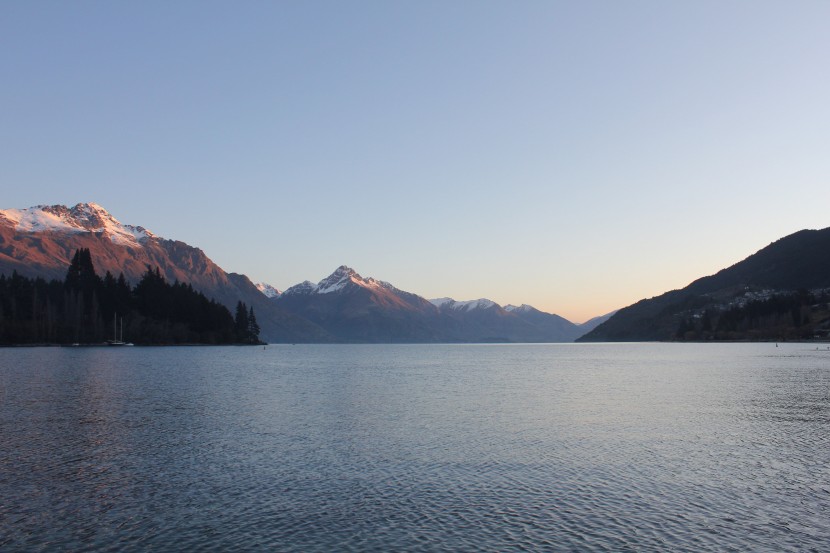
<point>267,289</point>
<point>83,217</point>
<point>481,303</point>
<point>342,277</point>
<point>337,280</point>
<point>305,287</point>
<point>449,303</point>
<point>524,308</point>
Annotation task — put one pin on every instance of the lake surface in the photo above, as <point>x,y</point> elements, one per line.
<point>565,447</point>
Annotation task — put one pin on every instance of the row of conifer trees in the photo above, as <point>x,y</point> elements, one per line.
<point>87,309</point>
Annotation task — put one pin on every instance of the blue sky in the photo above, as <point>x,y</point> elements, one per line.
<point>576,156</point>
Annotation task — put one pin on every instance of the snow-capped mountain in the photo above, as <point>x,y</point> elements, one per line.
<point>82,218</point>
<point>360,309</point>
<point>550,323</point>
<point>531,313</point>
<point>341,278</point>
<point>344,306</point>
<point>345,281</point>
<point>267,290</point>
<point>449,303</point>
<point>40,241</point>
<point>524,308</point>
<point>355,308</point>
<point>486,318</point>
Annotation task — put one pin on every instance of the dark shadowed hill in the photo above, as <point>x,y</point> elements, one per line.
<point>758,285</point>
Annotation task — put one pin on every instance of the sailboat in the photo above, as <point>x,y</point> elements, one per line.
<point>115,340</point>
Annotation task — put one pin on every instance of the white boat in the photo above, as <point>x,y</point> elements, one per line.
<point>115,340</point>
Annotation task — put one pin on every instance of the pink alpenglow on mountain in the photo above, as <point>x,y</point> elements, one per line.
<point>40,242</point>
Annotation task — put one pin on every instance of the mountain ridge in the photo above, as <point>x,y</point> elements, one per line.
<point>344,306</point>
<point>797,261</point>
<point>40,241</point>
<point>355,308</point>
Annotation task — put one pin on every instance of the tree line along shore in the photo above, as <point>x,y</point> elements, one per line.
<point>87,309</point>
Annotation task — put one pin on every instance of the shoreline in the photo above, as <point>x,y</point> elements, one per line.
<point>119,346</point>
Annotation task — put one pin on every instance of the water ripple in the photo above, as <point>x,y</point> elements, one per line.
<point>643,447</point>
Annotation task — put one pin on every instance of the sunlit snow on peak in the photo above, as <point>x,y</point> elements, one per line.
<point>268,290</point>
<point>337,280</point>
<point>83,217</point>
<point>305,287</point>
<point>341,278</point>
<point>449,303</point>
<point>519,308</point>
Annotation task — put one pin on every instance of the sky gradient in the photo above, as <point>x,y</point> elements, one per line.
<point>575,156</point>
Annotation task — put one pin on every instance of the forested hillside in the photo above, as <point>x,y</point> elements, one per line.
<point>85,308</point>
<point>780,292</point>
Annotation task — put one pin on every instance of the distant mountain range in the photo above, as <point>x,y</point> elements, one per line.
<point>343,307</point>
<point>780,292</point>
<point>358,309</point>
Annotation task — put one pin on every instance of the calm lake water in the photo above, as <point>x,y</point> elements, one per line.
<point>568,447</point>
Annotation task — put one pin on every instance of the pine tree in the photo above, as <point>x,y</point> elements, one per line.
<point>80,309</point>
<point>241,322</point>
<point>73,274</point>
<point>253,327</point>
